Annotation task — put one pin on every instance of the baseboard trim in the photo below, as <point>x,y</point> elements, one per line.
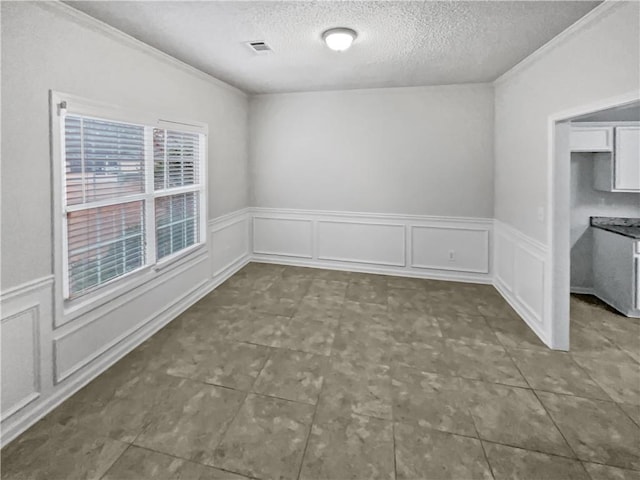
<point>583,290</point>
<point>521,310</point>
<point>377,270</point>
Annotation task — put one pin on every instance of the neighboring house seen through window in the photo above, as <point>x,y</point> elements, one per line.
<point>132,197</point>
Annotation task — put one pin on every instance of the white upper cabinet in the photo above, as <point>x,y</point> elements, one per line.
<point>591,139</point>
<point>617,154</point>
<point>626,160</point>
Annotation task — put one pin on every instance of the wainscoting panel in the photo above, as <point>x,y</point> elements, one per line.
<point>447,248</point>
<point>504,258</point>
<point>229,241</point>
<point>26,367</point>
<point>288,237</point>
<point>521,276</point>
<point>404,245</point>
<point>86,340</point>
<point>529,283</point>
<point>374,243</point>
<point>20,360</point>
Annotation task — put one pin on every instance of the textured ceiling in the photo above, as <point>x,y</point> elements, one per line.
<point>399,43</point>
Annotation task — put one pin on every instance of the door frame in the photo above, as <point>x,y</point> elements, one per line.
<point>558,201</point>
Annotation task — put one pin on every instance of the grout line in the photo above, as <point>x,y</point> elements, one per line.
<point>223,433</point>
<point>486,440</point>
<point>545,409</point>
<point>484,451</point>
<point>189,460</point>
<point>393,427</point>
<point>313,421</point>
<point>115,461</point>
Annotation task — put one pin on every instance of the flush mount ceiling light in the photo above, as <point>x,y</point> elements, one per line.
<point>339,39</point>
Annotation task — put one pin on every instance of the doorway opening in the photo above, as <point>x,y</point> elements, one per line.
<point>579,189</point>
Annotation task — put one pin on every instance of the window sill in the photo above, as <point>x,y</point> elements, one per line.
<point>177,257</point>
<point>75,308</point>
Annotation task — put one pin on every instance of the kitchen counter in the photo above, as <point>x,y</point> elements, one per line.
<point>629,227</point>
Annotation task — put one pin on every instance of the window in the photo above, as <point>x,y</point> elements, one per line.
<point>132,195</point>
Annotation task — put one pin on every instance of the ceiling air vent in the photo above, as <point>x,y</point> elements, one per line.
<point>260,47</point>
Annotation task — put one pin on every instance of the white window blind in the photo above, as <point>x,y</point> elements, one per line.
<point>123,181</point>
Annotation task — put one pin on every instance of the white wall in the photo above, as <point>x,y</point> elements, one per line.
<point>419,150</point>
<point>50,47</point>
<point>597,61</point>
<point>45,48</point>
<point>587,202</point>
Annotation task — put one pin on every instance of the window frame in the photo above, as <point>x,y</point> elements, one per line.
<point>62,104</point>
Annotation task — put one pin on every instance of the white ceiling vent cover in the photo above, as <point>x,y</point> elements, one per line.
<point>260,47</point>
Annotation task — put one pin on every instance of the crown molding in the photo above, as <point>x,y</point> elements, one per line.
<point>81,18</point>
<point>599,12</point>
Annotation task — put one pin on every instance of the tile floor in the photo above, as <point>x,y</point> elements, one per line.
<point>290,373</point>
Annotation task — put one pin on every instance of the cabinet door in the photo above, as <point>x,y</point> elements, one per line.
<point>591,139</point>
<point>626,160</point>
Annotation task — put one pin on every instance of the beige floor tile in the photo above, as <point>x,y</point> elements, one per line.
<point>308,336</point>
<point>367,292</point>
<point>404,299</point>
<point>422,453</point>
<point>435,401</point>
<point>513,332</point>
<point>49,451</point>
<point>490,363</point>
<point>293,376</point>
<point>514,416</point>
<point>329,291</point>
<point>353,446</point>
<point>266,439</point>
<point>319,310</point>
<point>142,464</point>
<point>262,329</point>
<point>363,344</point>
<point>413,326</point>
<point>466,328</point>
<point>633,411</point>
<point>349,387</point>
<point>556,372</point>
<point>620,379</point>
<point>191,420</point>
<point>441,359</point>
<point>508,463</point>
<point>605,472</point>
<point>406,282</point>
<point>116,404</point>
<point>227,363</point>
<point>597,431</point>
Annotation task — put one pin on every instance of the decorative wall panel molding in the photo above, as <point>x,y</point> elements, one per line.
<point>461,249</point>
<point>447,248</point>
<point>288,237</point>
<point>20,360</point>
<point>229,238</point>
<point>521,276</point>
<point>360,242</point>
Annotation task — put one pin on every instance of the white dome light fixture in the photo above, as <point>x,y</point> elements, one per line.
<point>339,39</point>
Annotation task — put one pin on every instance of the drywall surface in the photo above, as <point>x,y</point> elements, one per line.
<point>598,61</point>
<point>587,202</point>
<point>46,48</point>
<point>418,150</point>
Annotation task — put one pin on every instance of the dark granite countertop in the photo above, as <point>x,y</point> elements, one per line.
<point>629,227</point>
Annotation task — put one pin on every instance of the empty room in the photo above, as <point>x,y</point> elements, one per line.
<point>332,240</point>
